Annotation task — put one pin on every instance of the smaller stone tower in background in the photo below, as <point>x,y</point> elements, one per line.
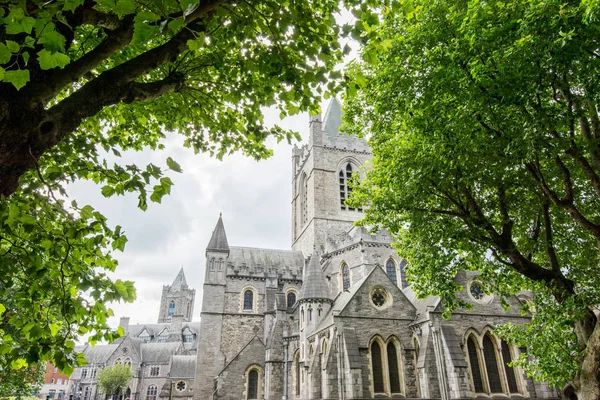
<point>177,299</point>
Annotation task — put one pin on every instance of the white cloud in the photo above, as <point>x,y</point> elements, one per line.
<point>254,198</point>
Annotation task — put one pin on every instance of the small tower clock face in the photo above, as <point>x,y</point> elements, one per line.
<point>476,290</point>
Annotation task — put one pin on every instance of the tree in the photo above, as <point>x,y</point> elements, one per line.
<point>23,382</point>
<point>83,80</point>
<point>483,120</point>
<point>114,379</point>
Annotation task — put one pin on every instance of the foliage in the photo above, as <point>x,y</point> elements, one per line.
<point>22,382</point>
<point>83,80</point>
<point>483,120</point>
<point>114,378</point>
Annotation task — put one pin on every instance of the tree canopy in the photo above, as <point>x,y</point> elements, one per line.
<point>483,120</point>
<point>115,378</point>
<point>81,80</point>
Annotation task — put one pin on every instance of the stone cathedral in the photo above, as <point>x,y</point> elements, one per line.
<point>334,318</point>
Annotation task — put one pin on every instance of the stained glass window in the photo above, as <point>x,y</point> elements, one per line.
<point>390,269</point>
<point>252,384</point>
<point>510,372</point>
<point>392,356</point>
<point>376,365</point>
<point>345,277</point>
<point>491,363</point>
<point>248,299</point>
<point>475,368</point>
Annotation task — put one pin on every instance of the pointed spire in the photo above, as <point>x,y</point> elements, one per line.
<point>333,117</point>
<point>314,285</point>
<point>218,240</point>
<point>179,281</point>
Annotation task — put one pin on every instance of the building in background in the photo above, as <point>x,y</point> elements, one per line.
<point>162,356</point>
<point>56,384</point>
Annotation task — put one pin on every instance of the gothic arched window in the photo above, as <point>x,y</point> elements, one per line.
<point>510,373</point>
<point>474,363</point>
<point>188,310</point>
<point>252,384</point>
<point>171,308</point>
<point>377,367</point>
<point>402,269</point>
<point>345,277</point>
<point>393,368</point>
<point>248,300</point>
<point>304,199</point>
<point>151,392</point>
<point>297,372</point>
<point>87,393</point>
<point>390,269</point>
<point>291,299</point>
<point>491,363</point>
<point>345,175</point>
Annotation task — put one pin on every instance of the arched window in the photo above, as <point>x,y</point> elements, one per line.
<point>491,363</point>
<point>345,277</point>
<point>151,392</point>
<point>187,312</point>
<point>291,299</point>
<point>252,384</point>
<point>390,269</point>
<point>393,368</point>
<point>87,393</point>
<point>402,267</point>
<point>310,314</point>
<point>171,308</point>
<point>510,373</point>
<point>212,264</point>
<point>474,363</point>
<point>377,368</point>
<point>304,199</point>
<point>302,316</point>
<point>248,300</point>
<point>127,362</point>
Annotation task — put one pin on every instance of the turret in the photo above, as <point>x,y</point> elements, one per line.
<point>217,252</point>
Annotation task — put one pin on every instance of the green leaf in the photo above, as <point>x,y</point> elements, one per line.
<point>5,54</point>
<point>49,60</point>
<point>143,32</point>
<point>13,46</point>
<point>71,5</point>
<point>18,78</point>
<point>124,7</point>
<point>173,165</point>
<point>2,309</point>
<point>86,212</point>
<point>108,191</point>
<point>119,243</point>
<point>52,41</point>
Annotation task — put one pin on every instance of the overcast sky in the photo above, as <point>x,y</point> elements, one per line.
<point>254,197</point>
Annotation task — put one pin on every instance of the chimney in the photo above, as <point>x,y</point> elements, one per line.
<point>124,323</point>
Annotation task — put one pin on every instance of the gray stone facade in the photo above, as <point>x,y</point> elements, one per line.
<point>355,330</point>
<point>162,356</point>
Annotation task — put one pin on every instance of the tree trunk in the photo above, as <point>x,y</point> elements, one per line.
<point>587,381</point>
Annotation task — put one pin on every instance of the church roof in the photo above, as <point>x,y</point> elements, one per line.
<point>313,284</point>
<point>179,281</point>
<point>218,240</point>
<point>333,117</point>
<point>183,367</point>
<point>159,352</point>
<point>267,258</point>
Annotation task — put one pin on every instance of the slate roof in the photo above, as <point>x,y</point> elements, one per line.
<point>183,367</point>
<point>155,329</point>
<point>218,240</point>
<point>178,282</point>
<point>333,117</point>
<point>159,352</point>
<point>352,348</point>
<point>452,342</point>
<point>421,304</point>
<point>267,258</point>
<point>99,354</point>
<point>314,285</point>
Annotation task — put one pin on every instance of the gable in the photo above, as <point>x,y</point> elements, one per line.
<point>378,288</point>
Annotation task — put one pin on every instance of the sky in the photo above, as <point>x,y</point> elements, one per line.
<point>254,197</point>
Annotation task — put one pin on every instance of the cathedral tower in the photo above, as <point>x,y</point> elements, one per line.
<point>177,299</point>
<point>321,172</point>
